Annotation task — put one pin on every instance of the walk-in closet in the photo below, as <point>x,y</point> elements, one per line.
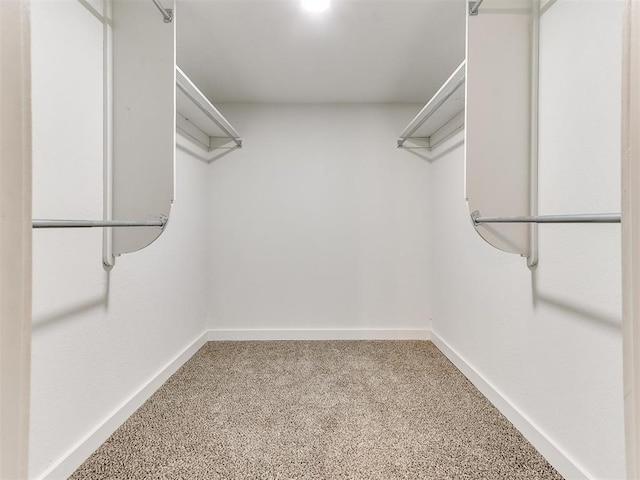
<point>320,239</point>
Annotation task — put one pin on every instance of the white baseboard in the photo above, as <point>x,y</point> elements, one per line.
<point>555,455</point>
<point>80,452</point>
<point>567,467</point>
<point>319,334</point>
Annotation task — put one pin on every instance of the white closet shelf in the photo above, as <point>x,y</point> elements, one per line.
<point>442,116</point>
<point>199,119</point>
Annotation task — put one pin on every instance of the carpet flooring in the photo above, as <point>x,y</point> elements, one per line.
<point>317,410</point>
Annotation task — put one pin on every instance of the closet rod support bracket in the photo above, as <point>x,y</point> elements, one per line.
<point>474,6</point>
<point>167,13</point>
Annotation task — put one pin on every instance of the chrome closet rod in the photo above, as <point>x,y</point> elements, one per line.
<point>579,218</point>
<point>167,13</point>
<point>94,223</point>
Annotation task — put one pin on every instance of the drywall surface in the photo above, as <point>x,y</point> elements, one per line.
<point>320,221</point>
<point>550,340</point>
<point>98,337</point>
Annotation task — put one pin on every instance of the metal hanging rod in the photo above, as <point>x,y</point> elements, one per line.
<point>474,6</point>
<point>186,86</point>
<point>580,218</point>
<point>449,87</point>
<point>167,13</point>
<point>95,223</point>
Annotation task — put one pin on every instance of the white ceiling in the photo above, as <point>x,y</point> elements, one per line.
<point>358,51</point>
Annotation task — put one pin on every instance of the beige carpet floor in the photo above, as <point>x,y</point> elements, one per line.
<point>317,410</point>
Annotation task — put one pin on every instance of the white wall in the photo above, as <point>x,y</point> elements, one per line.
<point>98,337</point>
<point>319,222</point>
<point>550,341</point>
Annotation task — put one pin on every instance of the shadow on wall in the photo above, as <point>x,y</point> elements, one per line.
<point>92,10</point>
<point>610,322</point>
<point>68,313</point>
<point>424,153</point>
<point>504,240</point>
<point>215,153</point>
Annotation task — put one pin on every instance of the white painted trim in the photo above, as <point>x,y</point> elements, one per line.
<point>318,334</point>
<point>567,466</point>
<point>555,455</point>
<point>108,259</point>
<point>532,257</point>
<point>81,451</point>
<point>630,149</point>
<point>15,237</point>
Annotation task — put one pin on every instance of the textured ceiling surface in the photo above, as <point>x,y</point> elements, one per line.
<point>357,51</point>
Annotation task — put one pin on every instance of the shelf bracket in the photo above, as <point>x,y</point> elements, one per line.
<point>474,6</point>
<point>167,13</point>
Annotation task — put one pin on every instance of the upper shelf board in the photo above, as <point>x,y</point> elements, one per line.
<point>198,118</point>
<point>442,116</point>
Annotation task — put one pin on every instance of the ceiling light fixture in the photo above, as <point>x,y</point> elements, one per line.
<point>315,5</point>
